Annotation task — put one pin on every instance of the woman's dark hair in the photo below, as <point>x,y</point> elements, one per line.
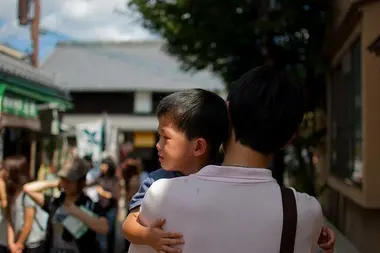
<point>17,170</point>
<point>111,172</point>
<point>128,172</point>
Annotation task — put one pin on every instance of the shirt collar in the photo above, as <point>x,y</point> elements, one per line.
<point>235,173</point>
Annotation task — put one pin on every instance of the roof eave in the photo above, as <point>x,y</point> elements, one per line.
<point>28,73</point>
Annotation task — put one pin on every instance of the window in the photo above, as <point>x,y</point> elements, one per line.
<point>100,102</point>
<point>346,117</point>
<point>143,102</point>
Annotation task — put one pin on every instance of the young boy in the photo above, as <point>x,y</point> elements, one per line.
<point>191,132</point>
<point>192,126</point>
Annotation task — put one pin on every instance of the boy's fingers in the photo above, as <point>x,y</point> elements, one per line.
<point>172,242</point>
<point>158,223</point>
<point>167,249</point>
<point>172,235</point>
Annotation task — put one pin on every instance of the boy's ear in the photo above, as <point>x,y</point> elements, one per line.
<point>200,147</point>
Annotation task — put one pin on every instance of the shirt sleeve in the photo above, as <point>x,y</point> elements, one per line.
<point>137,199</point>
<point>28,202</point>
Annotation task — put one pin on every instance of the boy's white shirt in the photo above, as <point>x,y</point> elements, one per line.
<point>228,209</point>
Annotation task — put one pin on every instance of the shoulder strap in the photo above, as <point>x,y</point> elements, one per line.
<point>35,215</point>
<point>289,226</point>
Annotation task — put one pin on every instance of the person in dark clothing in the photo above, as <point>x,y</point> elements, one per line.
<point>108,188</point>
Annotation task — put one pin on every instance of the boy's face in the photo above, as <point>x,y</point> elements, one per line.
<point>175,151</point>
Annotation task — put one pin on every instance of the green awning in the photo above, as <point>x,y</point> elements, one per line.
<point>34,94</point>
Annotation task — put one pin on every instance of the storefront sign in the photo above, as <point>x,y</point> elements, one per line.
<point>19,107</point>
<point>144,139</point>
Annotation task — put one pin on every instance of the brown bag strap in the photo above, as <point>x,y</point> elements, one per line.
<point>289,225</point>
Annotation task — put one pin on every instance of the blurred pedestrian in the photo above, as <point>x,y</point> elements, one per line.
<point>74,219</point>
<point>131,175</point>
<point>27,231</point>
<point>92,175</point>
<point>3,220</point>
<point>108,189</point>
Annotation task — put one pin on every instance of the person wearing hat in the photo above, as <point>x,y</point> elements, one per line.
<point>74,219</point>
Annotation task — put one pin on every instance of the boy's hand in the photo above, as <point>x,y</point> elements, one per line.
<point>163,241</point>
<point>327,240</point>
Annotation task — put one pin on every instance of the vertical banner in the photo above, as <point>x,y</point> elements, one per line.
<point>112,143</point>
<point>90,139</point>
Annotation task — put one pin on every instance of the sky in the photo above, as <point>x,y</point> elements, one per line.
<point>79,20</point>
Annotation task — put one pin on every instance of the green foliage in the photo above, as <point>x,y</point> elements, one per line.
<point>230,37</point>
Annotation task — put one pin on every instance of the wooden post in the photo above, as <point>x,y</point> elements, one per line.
<point>34,29</point>
<point>33,153</point>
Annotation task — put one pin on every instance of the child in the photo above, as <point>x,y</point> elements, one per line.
<point>185,123</point>
<point>192,126</point>
<point>74,219</point>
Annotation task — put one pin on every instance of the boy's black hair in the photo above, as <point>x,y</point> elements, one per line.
<point>197,113</point>
<point>265,108</point>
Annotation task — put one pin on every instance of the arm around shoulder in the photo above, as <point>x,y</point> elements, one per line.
<point>34,190</point>
<point>133,230</point>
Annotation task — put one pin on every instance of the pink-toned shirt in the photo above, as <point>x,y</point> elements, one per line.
<point>228,209</point>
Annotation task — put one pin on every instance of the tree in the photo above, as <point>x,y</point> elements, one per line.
<point>231,37</point>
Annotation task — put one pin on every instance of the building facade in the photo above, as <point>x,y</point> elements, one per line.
<point>350,165</point>
<point>28,102</point>
<point>123,81</point>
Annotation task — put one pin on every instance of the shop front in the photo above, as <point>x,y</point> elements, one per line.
<point>19,121</point>
<point>349,162</point>
<point>30,111</point>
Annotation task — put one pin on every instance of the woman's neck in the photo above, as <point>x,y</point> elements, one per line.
<point>243,156</point>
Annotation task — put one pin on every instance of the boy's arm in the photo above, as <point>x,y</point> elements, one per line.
<point>153,236</point>
<point>133,230</point>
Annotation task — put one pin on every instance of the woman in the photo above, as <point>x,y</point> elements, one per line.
<point>27,233</point>
<point>108,189</point>
<point>3,220</point>
<point>131,176</point>
<point>74,219</point>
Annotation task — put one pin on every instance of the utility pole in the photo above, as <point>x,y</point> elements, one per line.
<point>34,30</point>
<point>24,20</point>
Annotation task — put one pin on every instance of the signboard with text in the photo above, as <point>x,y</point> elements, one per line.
<point>19,107</point>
